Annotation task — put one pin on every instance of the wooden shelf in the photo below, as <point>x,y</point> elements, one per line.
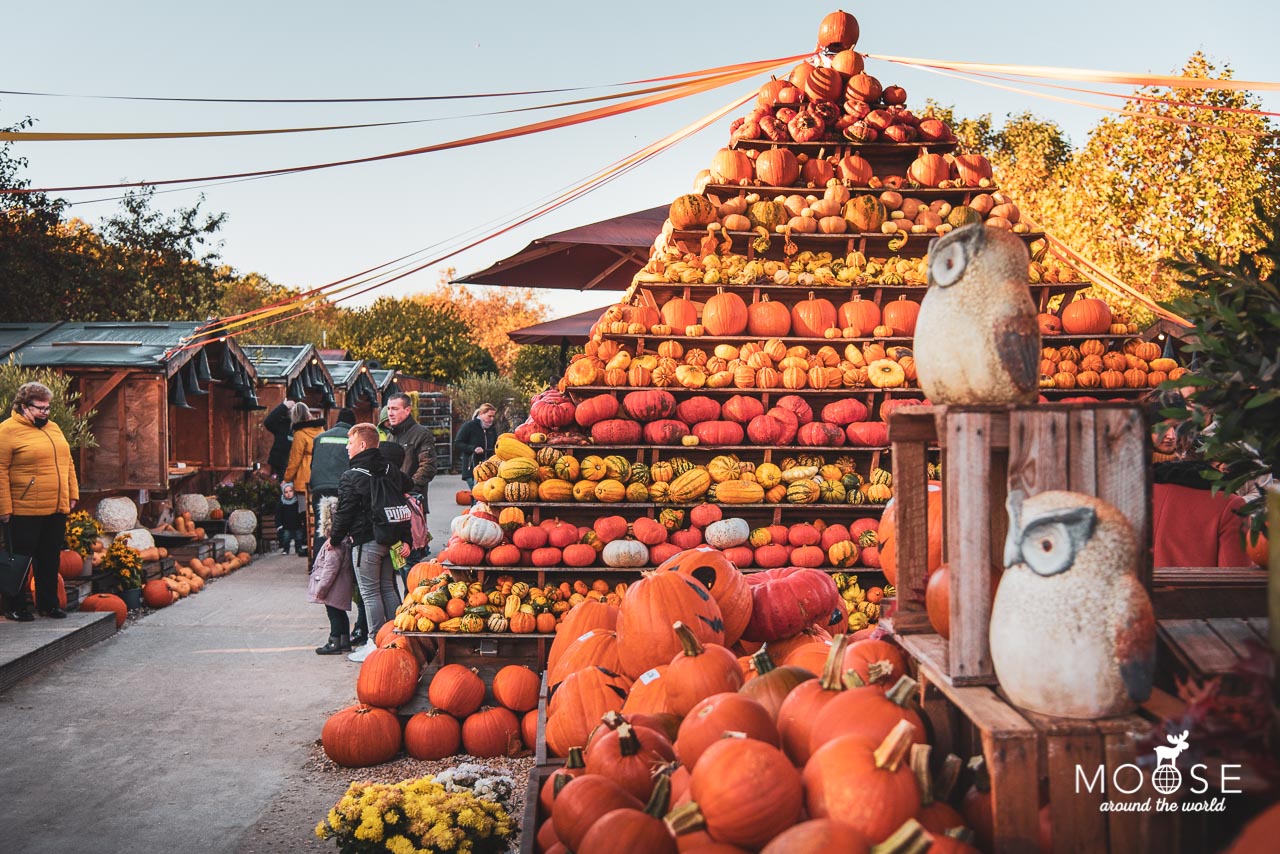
<point>770,192</point>
<point>712,340</point>
<point>868,509</point>
<point>661,291</point>
<point>720,449</point>
<point>865,242</point>
<point>559,569</point>
<point>841,146</point>
<point>730,390</point>
<point>1100,393</point>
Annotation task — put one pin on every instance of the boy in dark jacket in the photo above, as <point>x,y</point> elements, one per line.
<point>289,521</point>
<point>354,518</point>
<point>279,423</point>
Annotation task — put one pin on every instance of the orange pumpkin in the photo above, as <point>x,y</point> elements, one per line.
<point>1086,317</point>
<point>888,530</point>
<point>725,314</point>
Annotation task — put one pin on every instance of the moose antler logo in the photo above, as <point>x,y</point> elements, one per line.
<point>1168,755</point>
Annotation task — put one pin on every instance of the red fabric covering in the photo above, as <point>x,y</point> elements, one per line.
<point>1194,527</point>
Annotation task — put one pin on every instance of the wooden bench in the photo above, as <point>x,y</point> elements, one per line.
<point>1206,592</point>
<point>1211,647</point>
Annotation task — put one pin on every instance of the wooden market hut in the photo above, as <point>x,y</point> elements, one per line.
<point>354,387</point>
<point>295,371</point>
<point>172,411</point>
<point>385,380</point>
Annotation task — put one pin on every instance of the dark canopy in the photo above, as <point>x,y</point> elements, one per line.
<point>602,256</point>
<point>572,329</point>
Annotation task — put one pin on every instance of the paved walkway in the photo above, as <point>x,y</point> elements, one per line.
<point>176,733</point>
<point>189,730</point>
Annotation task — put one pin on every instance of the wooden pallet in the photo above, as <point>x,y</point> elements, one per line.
<point>1098,449</point>
<point>1023,749</point>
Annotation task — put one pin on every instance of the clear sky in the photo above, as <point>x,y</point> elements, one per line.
<point>308,229</point>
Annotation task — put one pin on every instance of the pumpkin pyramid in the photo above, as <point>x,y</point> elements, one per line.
<point>737,394</point>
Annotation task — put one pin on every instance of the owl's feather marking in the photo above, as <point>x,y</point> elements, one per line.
<point>1136,645</point>
<point>1016,347</point>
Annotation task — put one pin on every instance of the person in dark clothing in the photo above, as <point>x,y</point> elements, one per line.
<point>419,444</point>
<point>279,422</point>
<point>354,518</point>
<point>289,522</point>
<point>475,441</point>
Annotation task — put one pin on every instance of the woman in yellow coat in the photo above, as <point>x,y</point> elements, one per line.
<point>38,488</point>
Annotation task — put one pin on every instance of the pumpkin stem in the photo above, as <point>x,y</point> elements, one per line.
<point>575,759</point>
<point>911,838</point>
<point>688,640</point>
<point>944,782</point>
<point>660,799</point>
<point>919,761</point>
<point>562,780</point>
<point>686,818</point>
<point>831,680</point>
<point>879,671</point>
<point>628,743</point>
<point>981,776</point>
<point>893,749</point>
<point>851,680</point>
<point>761,663</point>
<point>902,690</point>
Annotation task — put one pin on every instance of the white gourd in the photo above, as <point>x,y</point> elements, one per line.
<point>625,553</point>
<point>727,533</point>
<point>118,514</point>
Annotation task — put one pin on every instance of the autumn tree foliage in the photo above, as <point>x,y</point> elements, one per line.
<point>1142,188</point>
<point>490,313</point>
<point>428,341</point>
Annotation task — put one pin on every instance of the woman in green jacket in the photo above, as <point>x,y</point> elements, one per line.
<point>38,488</point>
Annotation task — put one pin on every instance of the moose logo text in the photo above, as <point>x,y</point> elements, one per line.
<point>1165,778</point>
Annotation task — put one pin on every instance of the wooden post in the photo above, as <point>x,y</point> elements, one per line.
<point>968,440</point>
<point>909,434</point>
<point>1273,581</point>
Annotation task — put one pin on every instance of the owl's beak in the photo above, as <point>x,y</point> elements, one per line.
<point>1012,540</point>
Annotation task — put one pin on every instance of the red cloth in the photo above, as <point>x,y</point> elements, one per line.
<point>1194,527</point>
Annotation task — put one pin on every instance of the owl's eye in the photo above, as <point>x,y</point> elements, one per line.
<point>1047,548</point>
<point>947,264</point>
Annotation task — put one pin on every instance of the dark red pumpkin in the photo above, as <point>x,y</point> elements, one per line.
<point>765,431</point>
<point>665,432</point>
<point>698,408</point>
<point>552,410</point>
<point>714,433</point>
<point>740,408</point>
<point>649,405</point>
<point>785,600</point>
<point>790,424</point>
<point>868,433</point>
<point>845,411</point>
<point>596,409</point>
<point>820,434</point>
<point>616,431</point>
<point>797,405</point>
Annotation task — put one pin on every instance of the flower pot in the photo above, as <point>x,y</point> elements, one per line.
<point>132,598</point>
<point>88,568</point>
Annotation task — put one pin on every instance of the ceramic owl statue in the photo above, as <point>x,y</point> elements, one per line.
<point>1072,629</point>
<point>976,340</point>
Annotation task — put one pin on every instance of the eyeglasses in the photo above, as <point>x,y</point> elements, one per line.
<point>44,408</point>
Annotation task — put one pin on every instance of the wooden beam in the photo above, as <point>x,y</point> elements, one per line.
<point>90,402</point>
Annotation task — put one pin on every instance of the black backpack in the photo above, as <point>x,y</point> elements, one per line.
<point>388,509</point>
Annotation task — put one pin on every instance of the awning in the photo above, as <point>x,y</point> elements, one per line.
<point>602,256</point>
<point>573,329</point>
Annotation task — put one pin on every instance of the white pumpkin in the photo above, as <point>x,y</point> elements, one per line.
<point>727,533</point>
<point>242,522</point>
<point>139,538</point>
<point>196,505</point>
<point>246,543</point>
<point>118,514</point>
<point>479,532</point>
<point>625,553</point>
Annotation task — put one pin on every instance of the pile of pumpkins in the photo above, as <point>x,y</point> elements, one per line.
<point>555,475</point>
<point>768,363</point>
<point>673,706</point>
<point>483,540</point>
<point>436,601</point>
<point>190,578</point>
<point>370,733</point>
<point>1093,365</point>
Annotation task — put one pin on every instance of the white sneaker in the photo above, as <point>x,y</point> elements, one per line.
<point>363,652</point>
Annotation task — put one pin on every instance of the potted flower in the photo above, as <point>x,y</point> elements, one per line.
<point>123,567</point>
<point>417,815</point>
<point>83,532</point>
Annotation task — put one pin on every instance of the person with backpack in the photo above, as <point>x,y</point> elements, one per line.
<point>328,462</point>
<point>372,512</point>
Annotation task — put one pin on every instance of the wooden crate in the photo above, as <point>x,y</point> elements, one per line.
<point>1029,754</point>
<point>1185,593</point>
<point>1099,449</point>
<point>197,549</point>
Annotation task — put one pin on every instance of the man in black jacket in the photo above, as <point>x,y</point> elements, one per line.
<point>419,444</point>
<point>476,440</point>
<point>354,518</point>
<point>279,423</point>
